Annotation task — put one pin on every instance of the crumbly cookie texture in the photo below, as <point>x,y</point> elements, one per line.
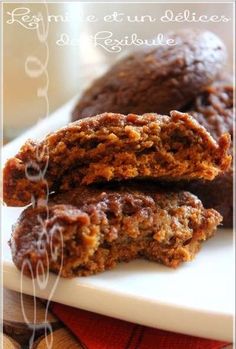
<point>157,79</point>
<point>117,147</point>
<point>87,230</point>
<point>213,109</point>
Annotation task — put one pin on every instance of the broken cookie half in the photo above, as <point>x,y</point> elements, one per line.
<point>115,147</point>
<point>85,231</point>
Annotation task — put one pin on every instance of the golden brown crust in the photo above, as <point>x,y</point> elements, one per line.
<point>115,147</point>
<point>86,230</point>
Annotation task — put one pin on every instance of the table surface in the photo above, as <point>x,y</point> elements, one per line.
<point>17,308</point>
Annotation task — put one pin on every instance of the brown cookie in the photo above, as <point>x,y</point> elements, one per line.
<point>115,147</point>
<point>213,109</point>
<point>157,79</point>
<point>217,194</point>
<point>85,231</point>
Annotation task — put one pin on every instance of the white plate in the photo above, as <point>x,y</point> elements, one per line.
<point>196,299</point>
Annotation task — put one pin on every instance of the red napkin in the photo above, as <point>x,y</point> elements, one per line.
<point>102,332</point>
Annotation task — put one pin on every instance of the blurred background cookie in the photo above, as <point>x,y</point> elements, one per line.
<point>157,79</point>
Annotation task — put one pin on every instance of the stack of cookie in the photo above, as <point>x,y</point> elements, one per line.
<point>111,187</point>
<point>188,77</point>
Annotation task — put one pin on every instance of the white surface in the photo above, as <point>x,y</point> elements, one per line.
<point>196,299</point>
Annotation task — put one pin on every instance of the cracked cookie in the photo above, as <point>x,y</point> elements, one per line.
<point>85,231</point>
<point>115,147</point>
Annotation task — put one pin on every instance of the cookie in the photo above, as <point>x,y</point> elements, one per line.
<point>217,194</point>
<point>156,79</point>
<point>213,109</point>
<point>115,147</point>
<point>86,231</point>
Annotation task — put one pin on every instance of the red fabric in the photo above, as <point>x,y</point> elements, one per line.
<point>102,332</point>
